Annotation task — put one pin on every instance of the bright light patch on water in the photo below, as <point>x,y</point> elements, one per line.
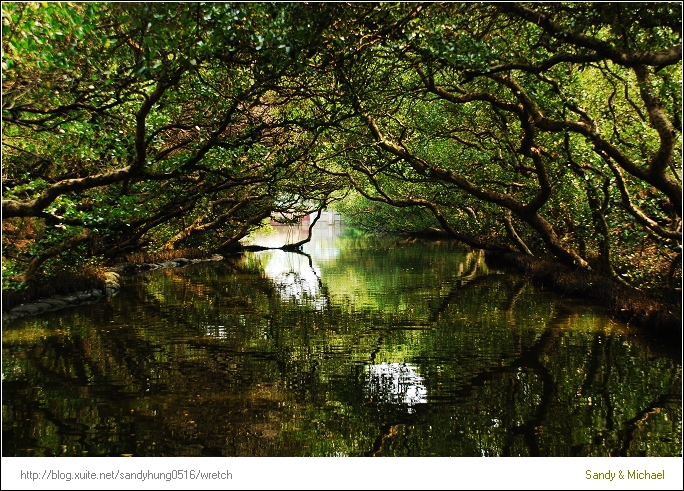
<point>221,332</point>
<point>395,383</point>
<point>294,276</point>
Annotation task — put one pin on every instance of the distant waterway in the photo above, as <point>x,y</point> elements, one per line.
<point>358,346</point>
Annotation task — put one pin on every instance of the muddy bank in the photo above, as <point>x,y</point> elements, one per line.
<point>109,286</point>
<point>637,308</point>
<point>658,313</point>
<point>55,302</point>
<point>129,269</point>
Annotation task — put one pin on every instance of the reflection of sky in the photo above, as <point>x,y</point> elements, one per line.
<point>291,273</point>
<point>395,383</point>
<point>322,246</point>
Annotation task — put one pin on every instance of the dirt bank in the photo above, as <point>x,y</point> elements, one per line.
<point>658,311</point>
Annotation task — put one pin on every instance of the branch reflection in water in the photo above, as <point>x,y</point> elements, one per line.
<point>355,346</point>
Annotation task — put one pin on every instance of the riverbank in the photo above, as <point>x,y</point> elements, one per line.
<point>92,286</point>
<point>107,284</point>
<point>636,308</point>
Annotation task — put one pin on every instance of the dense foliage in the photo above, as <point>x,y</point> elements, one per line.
<point>550,129</point>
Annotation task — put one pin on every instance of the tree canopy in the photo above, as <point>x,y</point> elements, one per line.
<point>549,129</point>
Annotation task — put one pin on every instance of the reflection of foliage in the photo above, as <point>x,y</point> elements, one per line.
<point>209,360</point>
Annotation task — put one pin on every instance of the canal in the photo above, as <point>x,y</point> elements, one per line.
<point>359,346</point>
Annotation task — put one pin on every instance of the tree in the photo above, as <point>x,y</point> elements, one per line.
<point>547,129</point>
<point>558,121</point>
<point>153,124</point>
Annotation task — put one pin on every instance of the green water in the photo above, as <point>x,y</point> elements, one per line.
<point>364,346</point>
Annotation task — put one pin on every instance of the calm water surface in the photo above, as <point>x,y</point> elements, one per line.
<point>361,346</point>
